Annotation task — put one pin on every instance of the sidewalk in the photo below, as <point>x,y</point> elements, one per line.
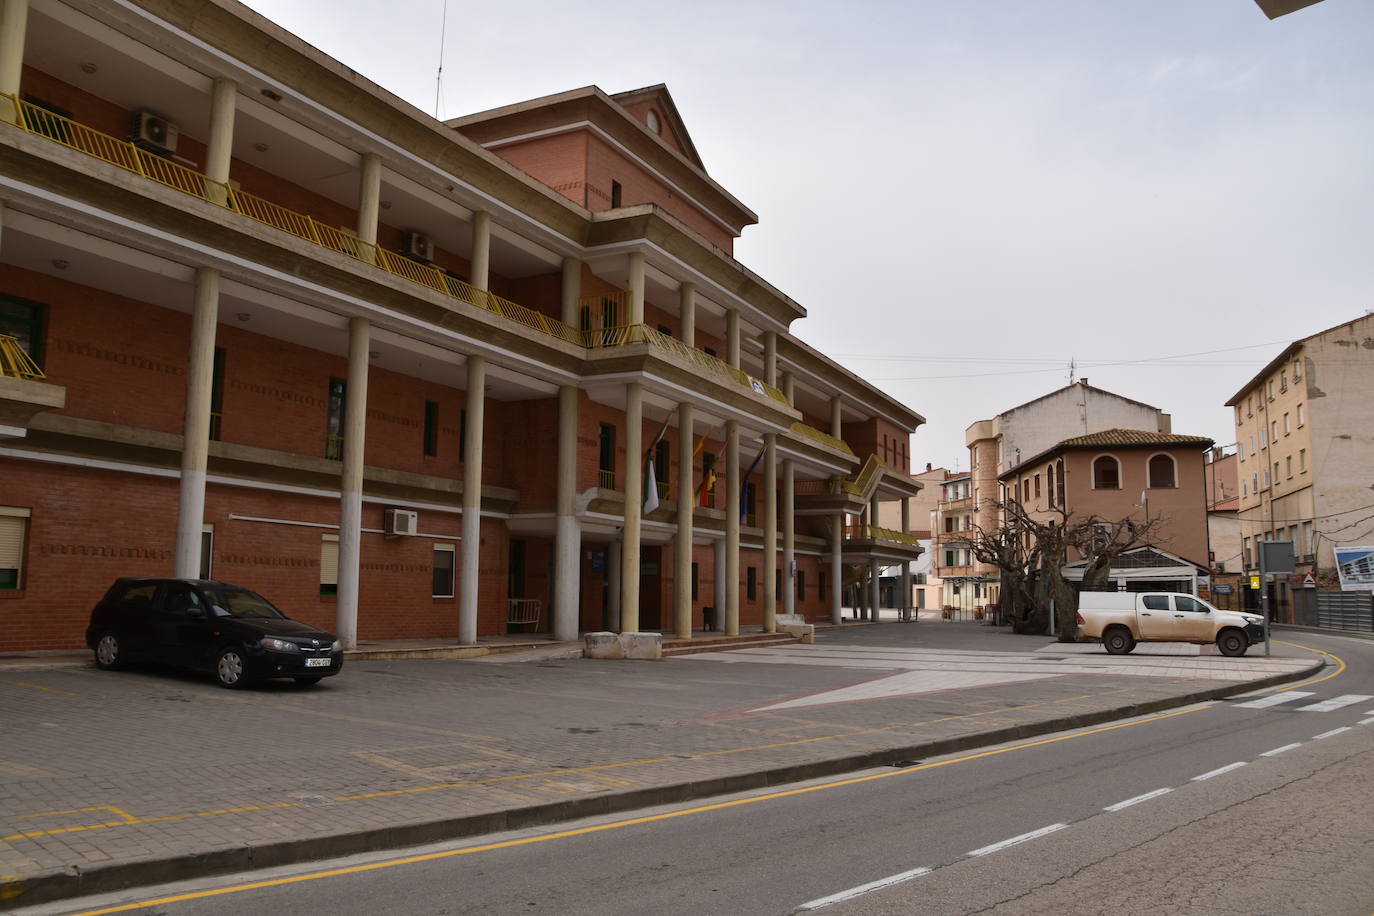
<point>109,780</point>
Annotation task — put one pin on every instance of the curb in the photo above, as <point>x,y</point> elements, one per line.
<point>60,884</point>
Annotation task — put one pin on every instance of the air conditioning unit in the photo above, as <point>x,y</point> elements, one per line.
<point>155,134</point>
<point>418,247</point>
<point>400,521</point>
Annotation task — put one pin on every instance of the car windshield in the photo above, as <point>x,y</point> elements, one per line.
<point>239,602</point>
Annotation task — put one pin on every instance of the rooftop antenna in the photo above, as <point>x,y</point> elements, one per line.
<point>1072,369</point>
<point>439,78</point>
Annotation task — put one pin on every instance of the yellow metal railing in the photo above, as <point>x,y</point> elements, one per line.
<point>887,534</point>
<point>333,447</point>
<point>861,485</point>
<point>606,478</point>
<point>810,432</point>
<point>15,363</point>
<point>125,155</point>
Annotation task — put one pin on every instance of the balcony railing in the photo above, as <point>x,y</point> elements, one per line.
<point>860,485</point>
<point>810,432</point>
<point>606,478</point>
<point>874,533</point>
<point>125,155</point>
<point>333,447</point>
<point>15,363</point>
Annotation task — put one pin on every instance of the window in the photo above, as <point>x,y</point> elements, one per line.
<point>696,581</point>
<point>431,429</point>
<point>1245,551</point>
<point>1049,483</point>
<point>1283,380</point>
<point>1308,547</point>
<point>443,567</point>
<point>949,558</point>
<point>1163,473</point>
<point>14,524</point>
<point>1274,433</point>
<point>1302,459</point>
<point>1188,605</point>
<point>1238,418</point>
<point>777,583</point>
<point>1264,437</point>
<point>661,468</point>
<point>48,120</point>
<point>329,564</point>
<point>1252,446</point>
<point>801,585</point>
<point>217,398</point>
<point>1106,473</point>
<point>751,583</point>
<point>606,461</point>
<point>1037,486</point>
<point>651,121</point>
<point>1287,425</point>
<point>1266,477</point>
<point>1271,389</point>
<point>1059,465</point>
<point>24,320</point>
<point>1245,488</point>
<point>615,194</point>
<point>1288,466</point>
<point>1250,407</point>
<point>1254,483</point>
<point>334,424</point>
<point>1300,416</point>
<point>1297,372</point>
<point>1155,602</point>
<point>207,551</point>
<point>1276,472</point>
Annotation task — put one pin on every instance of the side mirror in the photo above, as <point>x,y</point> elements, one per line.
<point>195,612</point>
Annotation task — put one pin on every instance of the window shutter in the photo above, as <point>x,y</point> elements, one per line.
<point>329,560</point>
<point>11,541</point>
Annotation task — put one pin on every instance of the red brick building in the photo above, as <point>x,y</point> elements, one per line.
<point>399,375</point>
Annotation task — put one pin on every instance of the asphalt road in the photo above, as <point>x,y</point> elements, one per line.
<point>1214,808</point>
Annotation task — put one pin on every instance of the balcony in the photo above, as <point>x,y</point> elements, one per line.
<point>23,393</point>
<point>954,505</point>
<point>125,155</point>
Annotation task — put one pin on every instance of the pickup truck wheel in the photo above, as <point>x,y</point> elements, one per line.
<point>1232,643</point>
<point>1118,640</point>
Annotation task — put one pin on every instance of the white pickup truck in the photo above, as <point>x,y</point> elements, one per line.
<point>1121,619</point>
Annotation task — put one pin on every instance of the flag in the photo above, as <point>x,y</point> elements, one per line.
<point>744,484</point>
<point>704,436</point>
<point>708,480</point>
<point>651,490</point>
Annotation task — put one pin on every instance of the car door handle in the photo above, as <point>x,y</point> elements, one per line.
<point>1178,616</point>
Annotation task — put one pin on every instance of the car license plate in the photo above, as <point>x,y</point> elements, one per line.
<point>317,663</point>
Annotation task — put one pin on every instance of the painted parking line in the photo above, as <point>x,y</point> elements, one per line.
<point>1220,770</point>
<point>1137,800</point>
<point>1015,841</point>
<point>862,889</point>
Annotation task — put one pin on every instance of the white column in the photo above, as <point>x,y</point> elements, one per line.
<point>634,508</point>
<point>480,262</point>
<point>567,585</point>
<point>732,343</point>
<point>351,482</point>
<point>770,534</point>
<point>571,290</point>
<point>836,569</point>
<point>874,596</point>
<point>718,592</point>
<point>636,315</point>
<point>613,551</point>
<point>836,423</point>
<point>220,147</point>
<point>369,197</point>
<point>906,564</point>
<point>789,539</point>
<point>687,308</point>
<point>472,501</point>
<point>732,487</point>
<point>14,18</point>
<point>682,552</point>
<point>770,358</point>
<point>195,448</point>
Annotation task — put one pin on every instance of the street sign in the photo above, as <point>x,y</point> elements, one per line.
<point>1308,580</point>
<point>1254,582</point>
<point>1222,589</point>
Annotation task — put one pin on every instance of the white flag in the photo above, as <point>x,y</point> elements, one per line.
<point>651,494</point>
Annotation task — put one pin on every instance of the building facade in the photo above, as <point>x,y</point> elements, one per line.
<point>1305,451</point>
<point>407,378</point>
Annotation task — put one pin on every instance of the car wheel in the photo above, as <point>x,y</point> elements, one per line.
<point>307,681</point>
<point>230,670</point>
<point>109,652</point>
<point>1118,641</point>
<point>1232,643</point>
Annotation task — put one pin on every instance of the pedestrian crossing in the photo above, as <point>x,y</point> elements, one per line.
<point>1292,696</point>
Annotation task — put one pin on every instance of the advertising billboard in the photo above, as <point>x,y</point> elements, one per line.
<point>1356,568</point>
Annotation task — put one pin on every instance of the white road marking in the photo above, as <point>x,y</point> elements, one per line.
<point>1273,699</point>
<point>1217,772</point>
<point>1350,699</point>
<point>905,684</point>
<point>1025,837</point>
<point>1279,750</point>
<point>1137,800</point>
<point>864,889</point>
<point>1334,731</point>
<point>1365,721</point>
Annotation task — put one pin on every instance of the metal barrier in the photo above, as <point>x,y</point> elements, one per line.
<point>15,362</point>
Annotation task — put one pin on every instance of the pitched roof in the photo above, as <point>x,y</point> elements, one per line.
<point>1132,437</point>
<point>1081,383</point>
<point>659,92</point>
<point>1282,358</point>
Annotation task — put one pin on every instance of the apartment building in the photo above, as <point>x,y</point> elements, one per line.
<point>264,322</point>
<point>962,587</point>
<point>1304,441</point>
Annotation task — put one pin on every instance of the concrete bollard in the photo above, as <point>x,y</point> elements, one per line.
<point>806,631</point>
<point>603,645</point>
<point>642,645</point>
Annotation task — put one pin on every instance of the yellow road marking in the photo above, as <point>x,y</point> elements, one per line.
<point>133,819</point>
<point>632,822</point>
<point>111,808</point>
<point>1340,666</point>
<point>65,693</point>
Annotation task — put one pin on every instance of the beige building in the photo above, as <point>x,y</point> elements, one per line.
<point>920,512</point>
<point>1013,436</point>
<point>1305,449</point>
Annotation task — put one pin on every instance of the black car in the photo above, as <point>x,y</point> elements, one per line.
<point>208,626</point>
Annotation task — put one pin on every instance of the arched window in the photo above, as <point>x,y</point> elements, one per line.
<point>1059,465</point>
<point>1162,472</point>
<point>1049,479</point>
<point>1106,473</point>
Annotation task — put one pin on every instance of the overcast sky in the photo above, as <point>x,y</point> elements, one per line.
<point>967,195</point>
